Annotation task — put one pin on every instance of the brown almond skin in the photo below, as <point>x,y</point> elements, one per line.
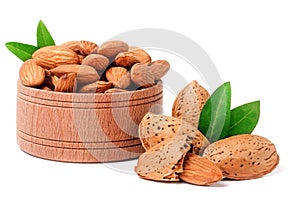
<point>96,61</point>
<point>48,82</point>
<point>141,75</point>
<point>80,58</point>
<point>111,48</point>
<point>66,83</point>
<point>96,87</point>
<point>126,59</point>
<point>81,47</point>
<point>141,55</point>
<point>85,74</point>
<point>46,88</point>
<point>159,68</point>
<point>200,171</point>
<point>31,74</point>
<point>52,56</point>
<point>243,157</point>
<point>115,90</point>
<point>131,57</point>
<point>119,76</point>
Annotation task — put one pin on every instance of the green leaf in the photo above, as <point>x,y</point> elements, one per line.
<point>214,119</point>
<point>244,118</point>
<point>22,51</point>
<point>43,36</point>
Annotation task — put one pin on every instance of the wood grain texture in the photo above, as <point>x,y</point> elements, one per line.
<point>83,127</point>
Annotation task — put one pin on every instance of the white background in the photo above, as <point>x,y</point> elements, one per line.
<point>254,44</point>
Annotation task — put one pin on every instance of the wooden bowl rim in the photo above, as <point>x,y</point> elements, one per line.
<point>91,97</point>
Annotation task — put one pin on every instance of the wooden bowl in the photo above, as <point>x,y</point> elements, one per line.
<point>74,127</point>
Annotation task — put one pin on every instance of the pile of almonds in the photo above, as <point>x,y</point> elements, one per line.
<point>176,150</point>
<point>85,67</point>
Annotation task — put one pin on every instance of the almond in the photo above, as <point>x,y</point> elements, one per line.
<point>31,74</point>
<point>141,75</point>
<point>48,82</point>
<point>80,58</point>
<point>111,48</point>
<point>141,55</point>
<point>200,171</point>
<point>64,69</point>
<point>66,83</point>
<point>115,90</point>
<point>99,62</point>
<point>52,56</point>
<point>85,74</point>
<point>131,57</point>
<point>54,80</point>
<point>243,156</point>
<point>81,47</point>
<point>119,76</point>
<point>189,103</point>
<point>46,88</point>
<point>159,68</point>
<point>96,87</point>
<point>126,59</point>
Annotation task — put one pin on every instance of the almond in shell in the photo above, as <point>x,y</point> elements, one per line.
<point>243,156</point>
<point>163,162</point>
<point>189,103</point>
<point>156,128</point>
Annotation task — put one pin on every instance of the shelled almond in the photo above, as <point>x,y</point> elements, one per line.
<point>83,66</point>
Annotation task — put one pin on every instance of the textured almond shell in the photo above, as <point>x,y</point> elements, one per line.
<point>52,56</point>
<point>163,162</point>
<point>156,128</point>
<point>189,103</point>
<point>243,156</point>
<point>31,74</point>
<point>200,171</point>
